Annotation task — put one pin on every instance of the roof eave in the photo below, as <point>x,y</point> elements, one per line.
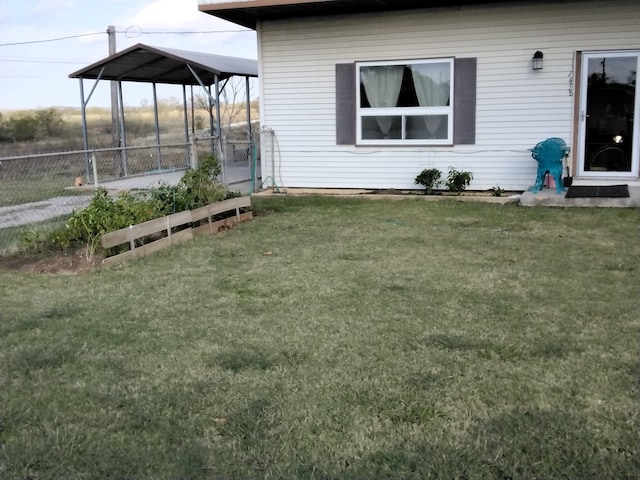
<point>247,13</point>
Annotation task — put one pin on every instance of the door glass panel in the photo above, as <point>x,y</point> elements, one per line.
<point>611,91</point>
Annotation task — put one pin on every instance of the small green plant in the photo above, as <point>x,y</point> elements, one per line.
<point>430,179</point>
<point>197,188</point>
<point>458,181</point>
<point>30,238</point>
<point>496,191</point>
<point>104,214</point>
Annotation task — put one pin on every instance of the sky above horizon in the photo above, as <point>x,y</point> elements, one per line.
<point>43,41</point>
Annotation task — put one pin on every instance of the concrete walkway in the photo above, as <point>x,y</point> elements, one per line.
<point>144,182</point>
<point>547,197</point>
<point>34,212</point>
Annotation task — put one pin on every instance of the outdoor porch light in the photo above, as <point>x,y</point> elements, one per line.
<point>536,61</point>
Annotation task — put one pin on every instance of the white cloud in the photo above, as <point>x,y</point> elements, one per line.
<point>35,73</point>
<point>48,6</point>
<point>184,16</point>
<point>173,15</point>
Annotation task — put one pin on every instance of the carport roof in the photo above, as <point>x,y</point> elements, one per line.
<point>143,63</point>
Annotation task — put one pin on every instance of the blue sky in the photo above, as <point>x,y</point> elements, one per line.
<point>35,67</point>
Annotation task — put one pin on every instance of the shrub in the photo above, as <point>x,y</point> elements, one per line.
<point>458,181</point>
<point>105,214</point>
<point>496,191</point>
<point>198,187</point>
<point>430,179</point>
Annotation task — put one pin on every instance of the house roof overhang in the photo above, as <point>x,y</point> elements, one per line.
<point>143,63</point>
<point>248,12</point>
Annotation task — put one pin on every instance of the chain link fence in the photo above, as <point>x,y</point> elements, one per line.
<point>40,191</point>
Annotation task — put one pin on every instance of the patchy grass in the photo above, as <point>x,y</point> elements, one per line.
<point>17,192</point>
<point>336,338</point>
<point>27,239</point>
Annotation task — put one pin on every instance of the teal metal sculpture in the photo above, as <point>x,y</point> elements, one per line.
<point>549,154</point>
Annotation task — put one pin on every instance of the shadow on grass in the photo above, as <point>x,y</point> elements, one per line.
<point>551,348</point>
<point>518,445</point>
<point>243,358</point>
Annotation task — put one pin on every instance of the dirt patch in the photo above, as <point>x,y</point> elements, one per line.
<point>69,261</point>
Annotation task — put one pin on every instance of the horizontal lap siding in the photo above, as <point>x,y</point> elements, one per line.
<point>516,107</point>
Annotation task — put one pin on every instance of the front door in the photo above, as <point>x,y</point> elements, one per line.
<point>609,109</point>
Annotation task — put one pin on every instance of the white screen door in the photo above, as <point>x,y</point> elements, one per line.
<point>609,115</point>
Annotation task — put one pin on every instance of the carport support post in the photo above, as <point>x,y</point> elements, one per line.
<point>246,81</point>
<point>186,124</point>
<point>210,102</point>
<point>219,131</point>
<point>157,125</point>
<point>123,136</point>
<point>252,147</point>
<point>85,139</point>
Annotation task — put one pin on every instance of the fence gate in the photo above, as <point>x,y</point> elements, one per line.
<point>241,166</point>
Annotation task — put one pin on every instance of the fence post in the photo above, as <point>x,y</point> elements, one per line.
<point>95,170</point>
<point>193,154</point>
<point>254,161</point>
<point>132,240</point>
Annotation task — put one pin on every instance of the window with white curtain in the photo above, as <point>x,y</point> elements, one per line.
<point>405,102</point>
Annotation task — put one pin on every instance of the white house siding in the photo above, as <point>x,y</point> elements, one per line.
<point>516,106</point>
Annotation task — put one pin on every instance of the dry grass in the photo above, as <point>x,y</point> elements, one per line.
<point>336,338</point>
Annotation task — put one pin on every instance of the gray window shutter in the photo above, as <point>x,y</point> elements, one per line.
<point>464,101</point>
<point>346,104</point>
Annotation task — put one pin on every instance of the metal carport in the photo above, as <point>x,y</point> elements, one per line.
<point>155,65</point>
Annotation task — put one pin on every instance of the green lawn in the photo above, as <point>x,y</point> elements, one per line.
<point>337,339</point>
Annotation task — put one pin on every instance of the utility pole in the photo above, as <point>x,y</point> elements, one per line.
<point>115,113</point>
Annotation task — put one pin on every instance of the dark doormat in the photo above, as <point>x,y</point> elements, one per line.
<point>583,191</point>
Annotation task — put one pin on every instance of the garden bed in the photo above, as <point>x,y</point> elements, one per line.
<point>153,235</point>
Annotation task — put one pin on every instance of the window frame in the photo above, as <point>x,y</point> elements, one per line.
<point>464,105</point>
<point>405,112</point>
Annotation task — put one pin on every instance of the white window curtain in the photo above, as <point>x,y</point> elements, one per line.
<point>382,86</point>
<point>432,82</point>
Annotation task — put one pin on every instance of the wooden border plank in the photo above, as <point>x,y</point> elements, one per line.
<point>160,244</point>
<point>144,229</point>
<point>214,227</point>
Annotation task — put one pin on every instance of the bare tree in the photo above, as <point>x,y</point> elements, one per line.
<point>234,97</point>
<point>233,105</point>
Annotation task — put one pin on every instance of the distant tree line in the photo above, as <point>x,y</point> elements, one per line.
<point>26,127</point>
<point>55,125</point>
